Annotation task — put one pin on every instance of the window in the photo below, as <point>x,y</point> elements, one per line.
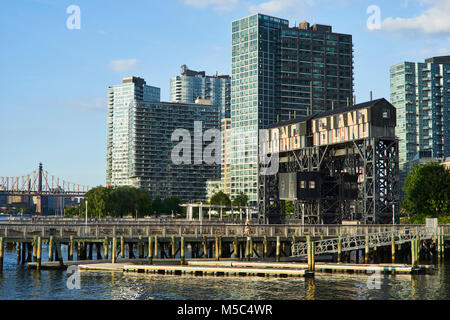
<point>312,184</point>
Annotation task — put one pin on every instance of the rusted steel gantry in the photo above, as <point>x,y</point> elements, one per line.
<point>338,165</point>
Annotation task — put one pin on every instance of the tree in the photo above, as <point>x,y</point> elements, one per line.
<point>240,200</point>
<point>143,205</point>
<point>98,199</point>
<point>157,205</point>
<point>427,191</point>
<point>172,204</point>
<point>290,207</point>
<point>220,199</point>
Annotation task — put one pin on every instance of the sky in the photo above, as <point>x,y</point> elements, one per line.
<point>55,71</point>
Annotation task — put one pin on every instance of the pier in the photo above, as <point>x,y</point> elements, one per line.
<point>183,247</point>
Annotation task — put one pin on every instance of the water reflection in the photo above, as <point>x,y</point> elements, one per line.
<point>17,282</point>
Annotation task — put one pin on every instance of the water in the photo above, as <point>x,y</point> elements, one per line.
<point>17,282</point>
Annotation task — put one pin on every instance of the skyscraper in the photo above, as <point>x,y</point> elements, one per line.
<point>274,68</point>
<point>120,98</point>
<point>420,92</point>
<point>190,85</point>
<point>140,145</point>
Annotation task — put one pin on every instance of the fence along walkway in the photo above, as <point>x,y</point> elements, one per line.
<point>63,229</point>
<point>359,241</point>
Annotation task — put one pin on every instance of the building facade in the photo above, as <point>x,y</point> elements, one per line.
<point>420,92</point>
<point>190,85</point>
<point>274,68</point>
<point>225,168</point>
<point>144,156</point>
<point>120,99</point>
<point>316,70</point>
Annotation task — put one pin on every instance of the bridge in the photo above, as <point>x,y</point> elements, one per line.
<point>40,183</point>
<point>396,235</point>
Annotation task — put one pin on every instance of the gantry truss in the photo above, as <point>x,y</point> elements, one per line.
<point>373,160</point>
<point>359,241</point>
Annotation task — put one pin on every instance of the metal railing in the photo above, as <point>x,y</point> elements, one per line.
<point>133,229</point>
<point>359,241</point>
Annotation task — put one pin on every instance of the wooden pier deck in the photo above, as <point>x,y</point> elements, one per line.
<point>323,266</point>
<point>257,268</point>
<point>198,270</point>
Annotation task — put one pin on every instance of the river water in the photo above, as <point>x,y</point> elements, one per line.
<point>16,282</point>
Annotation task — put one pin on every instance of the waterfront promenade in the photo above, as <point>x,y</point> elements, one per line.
<point>148,240</point>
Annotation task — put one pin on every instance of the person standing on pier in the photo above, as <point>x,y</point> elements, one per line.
<point>247,228</point>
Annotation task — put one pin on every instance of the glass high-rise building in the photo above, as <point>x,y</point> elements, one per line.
<point>420,92</point>
<point>191,85</point>
<point>274,68</point>
<point>139,147</point>
<point>120,98</point>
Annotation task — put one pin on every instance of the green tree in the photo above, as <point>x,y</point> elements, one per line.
<point>143,205</point>
<point>172,204</point>
<point>289,207</point>
<point>220,199</point>
<point>98,199</point>
<point>427,191</point>
<point>72,211</point>
<point>240,200</point>
<point>157,205</point>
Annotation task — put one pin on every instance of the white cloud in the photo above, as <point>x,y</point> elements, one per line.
<point>123,65</point>
<point>433,21</point>
<point>217,5</point>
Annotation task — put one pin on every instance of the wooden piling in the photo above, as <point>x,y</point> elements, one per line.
<point>311,253</point>
<point>1,254</point>
<point>50,249</point>
<point>150,250</point>
<point>105,248</point>
<point>339,249</point>
<point>217,249</point>
<point>24,249</point>
<point>141,248</point>
<point>393,249</point>
<point>265,247</point>
<point>38,252</point>
<point>113,250</point>
<point>366,251</point>
<point>156,247</point>
<point>205,247</point>
<point>34,248</point>
<point>122,248</point>
<point>414,253</point>
<point>182,260</point>
<point>172,247</point>
<point>18,252</point>
<point>235,247</point>
<point>248,249</point>
<point>277,253</point>
<point>293,245</point>
<point>70,257</point>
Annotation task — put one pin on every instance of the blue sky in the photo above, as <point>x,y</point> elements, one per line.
<point>54,80</point>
